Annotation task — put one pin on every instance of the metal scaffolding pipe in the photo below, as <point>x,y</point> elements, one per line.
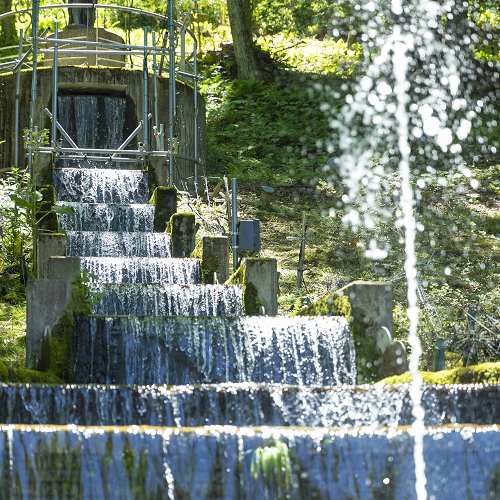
<point>234,222</point>
<point>17,105</point>
<point>145,103</point>
<point>172,90</point>
<point>34,79</point>
<point>55,84</point>
<point>195,105</point>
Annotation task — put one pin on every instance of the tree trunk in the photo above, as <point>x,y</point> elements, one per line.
<point>241,29</point>
<point>8,33</point>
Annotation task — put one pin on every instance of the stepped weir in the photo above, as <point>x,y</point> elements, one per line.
<point>173,385</point>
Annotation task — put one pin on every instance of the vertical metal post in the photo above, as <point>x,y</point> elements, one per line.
<point>182,64</point>
<point>156,111</point>
<point>17,108</point>
<point>172,90</point>
<point>145,130</point>
<point>302,253</point>
<point>35,11</point>
<point>195,105</point>
<point>55,83</point>
<point>234,222</point>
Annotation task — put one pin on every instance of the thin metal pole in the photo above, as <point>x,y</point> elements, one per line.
<point>302,253</point>
<point>34,77</point>
<point>145,91</point>
<point>17,110</point>
<point>172,90</point>
<point>156,112</point>
<point>234,222</point>
<point>55,83</point>
<point>195,105</point>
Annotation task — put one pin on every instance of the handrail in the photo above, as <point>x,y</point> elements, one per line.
<point>130,10</point>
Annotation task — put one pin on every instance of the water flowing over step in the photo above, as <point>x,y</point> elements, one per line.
<point>169,300</point>
<point>102,217</point>
<point>224,463</point>
<point>141,270</point>
<point>101,185</point>
<point>245,405</point>
<point>302,350</point>
<point>114,244</point>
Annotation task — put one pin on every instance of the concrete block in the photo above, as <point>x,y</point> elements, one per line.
<point>371,304</point>
<point>164,200</point>
<point>215,259</point>
<point>46,300</point>
<point>377,355</point>
<point>182,231</point>
<point>261,278</point>
<point>67,269</point>
<point>48,245</point>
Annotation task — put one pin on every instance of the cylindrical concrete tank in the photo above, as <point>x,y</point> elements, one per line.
<point>112,81</point>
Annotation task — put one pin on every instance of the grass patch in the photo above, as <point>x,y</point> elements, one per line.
<point>13,333</point>
<point>484,373</point>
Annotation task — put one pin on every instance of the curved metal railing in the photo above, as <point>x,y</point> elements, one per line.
<point>171,47</point>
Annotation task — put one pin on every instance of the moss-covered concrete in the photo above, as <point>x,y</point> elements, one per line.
<point>57,347</point>
<point>250,294</point>
<point>182,230</point>
<point>485,373</point>
<point>164,199</point>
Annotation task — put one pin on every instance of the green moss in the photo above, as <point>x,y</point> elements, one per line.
<point>160,190</point>
<point>274,466</point>
<point>250,295</point>
<point>21,375</point>
<point>178,216</point>
<point>485,373</point>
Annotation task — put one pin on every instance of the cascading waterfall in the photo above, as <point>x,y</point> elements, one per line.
<point>115,270</point>
<point>114,244</point>
<point>304,351</point>
<point>102,217</point>
<point>94,121</point>
<point>95,185</point>
<point>169,300</point>
<point>245,404</point>
<point>223,462</point>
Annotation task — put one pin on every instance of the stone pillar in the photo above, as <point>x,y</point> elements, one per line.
<point>165,201</point>
<point>48,245</point>
<point>182,231</point>
<point>46,302</point>
<point>261,286</point>
<point>377,355</point>
<point>215,259</point>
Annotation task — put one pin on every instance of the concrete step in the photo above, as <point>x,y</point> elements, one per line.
<point>246,463</point>
<point>245,404</point>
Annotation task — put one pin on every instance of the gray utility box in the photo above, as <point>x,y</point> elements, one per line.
<point>249,235</point>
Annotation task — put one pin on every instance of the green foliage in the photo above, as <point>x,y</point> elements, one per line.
<point>485,373</point>
<point>21,375</point>
<point>273,465</point>
<point>265,132</point>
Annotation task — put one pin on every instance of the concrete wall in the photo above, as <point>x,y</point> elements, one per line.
<point>112,79</point>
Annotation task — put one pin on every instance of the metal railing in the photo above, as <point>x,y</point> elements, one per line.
<point>164,49</point>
